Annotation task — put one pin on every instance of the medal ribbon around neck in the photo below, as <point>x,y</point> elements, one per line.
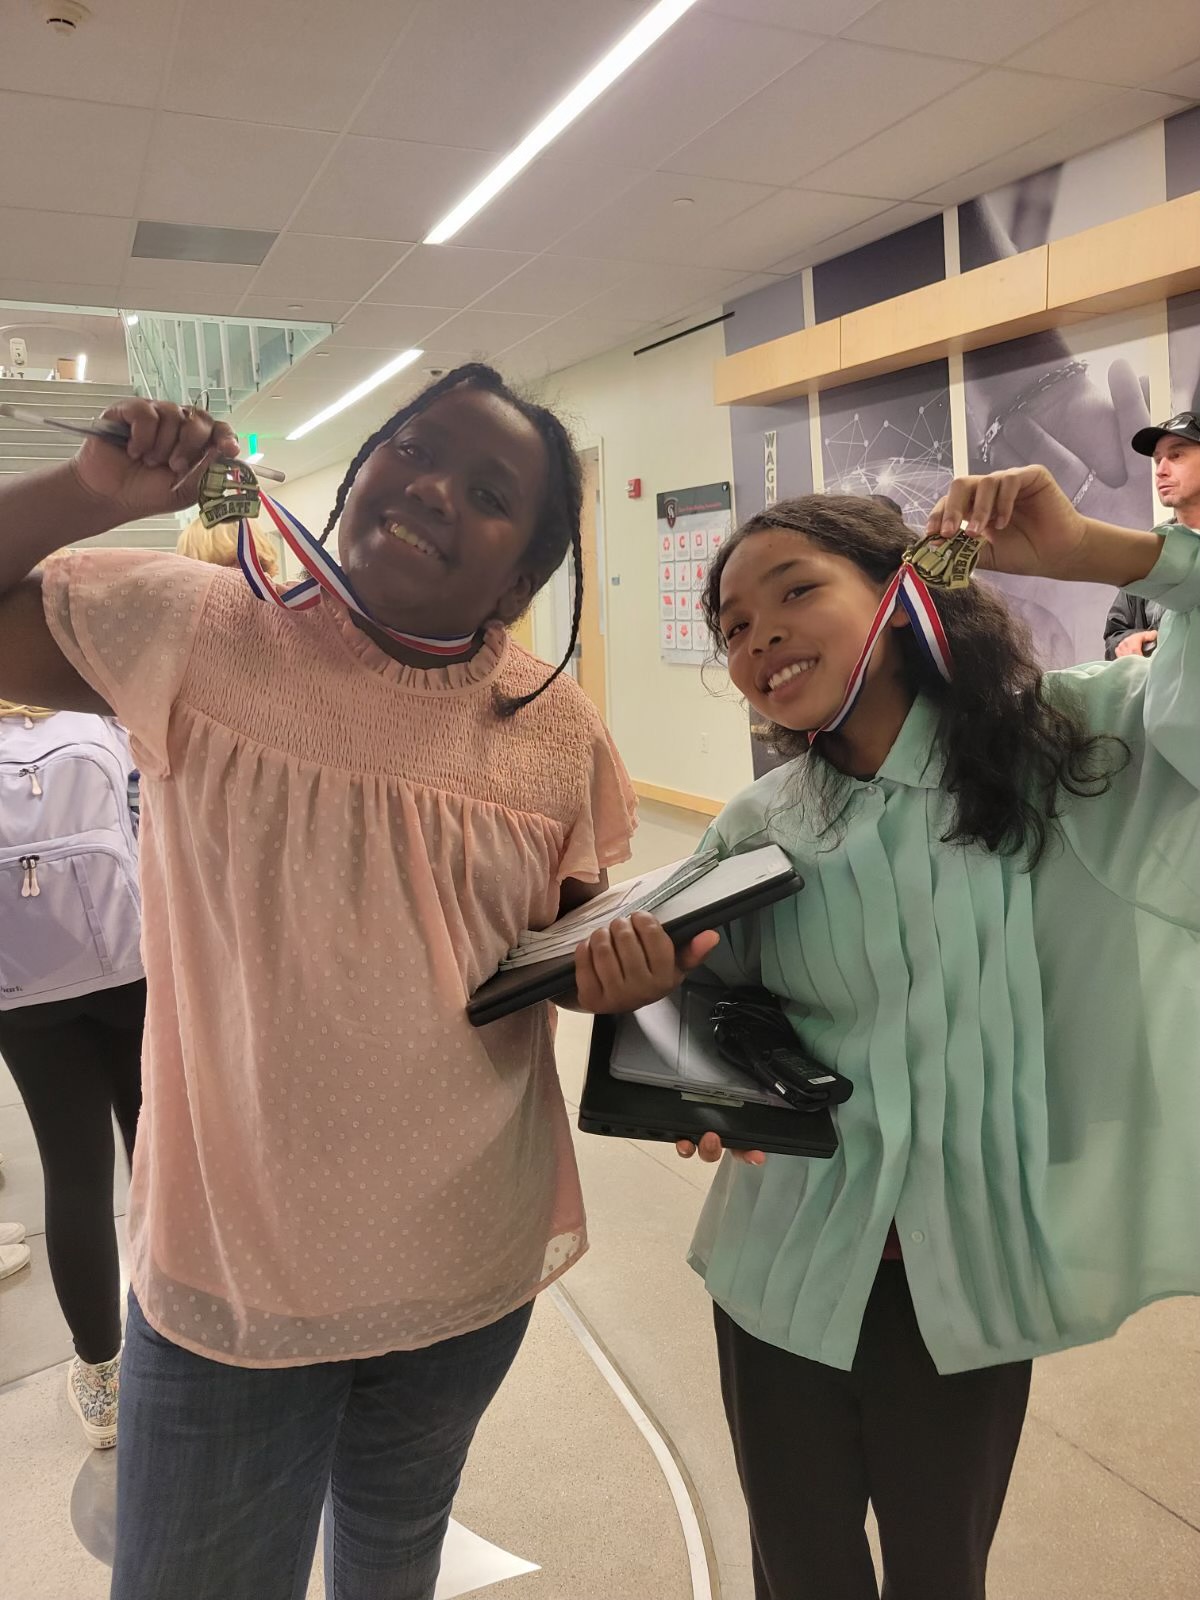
<point>323,573</point>
<point>906,589</point>
<point>931,562</point>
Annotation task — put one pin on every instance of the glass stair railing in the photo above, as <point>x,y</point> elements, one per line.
<point>216,362</point>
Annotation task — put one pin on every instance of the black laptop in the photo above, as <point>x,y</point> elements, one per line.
<point>656,1074</point>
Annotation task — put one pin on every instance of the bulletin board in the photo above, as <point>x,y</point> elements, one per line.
<point>692,526</point>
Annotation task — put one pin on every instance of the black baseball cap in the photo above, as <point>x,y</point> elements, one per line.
<point>1184,426</point>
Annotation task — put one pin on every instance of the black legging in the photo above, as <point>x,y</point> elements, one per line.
<point>77,1063</point>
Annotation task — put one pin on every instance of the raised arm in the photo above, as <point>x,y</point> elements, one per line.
<point>103,486</point>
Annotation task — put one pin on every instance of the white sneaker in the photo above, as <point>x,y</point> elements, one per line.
<point>12,1233</point>
<point>92,1392</point>
<point>12,1258</point>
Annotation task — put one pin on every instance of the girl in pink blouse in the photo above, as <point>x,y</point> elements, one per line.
<point>345,1198</point>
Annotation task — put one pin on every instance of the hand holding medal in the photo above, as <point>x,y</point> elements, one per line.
<point>1019,521</point>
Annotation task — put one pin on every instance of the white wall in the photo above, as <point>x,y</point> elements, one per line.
<point>653,418</point>
<point>310,499</point>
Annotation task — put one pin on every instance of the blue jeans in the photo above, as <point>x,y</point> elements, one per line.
<point>222,1472</point>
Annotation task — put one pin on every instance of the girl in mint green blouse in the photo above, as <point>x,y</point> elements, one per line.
<point>998,942</point>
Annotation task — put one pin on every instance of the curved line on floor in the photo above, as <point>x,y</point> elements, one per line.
<point>689,1521</point>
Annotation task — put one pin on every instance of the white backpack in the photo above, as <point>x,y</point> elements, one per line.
<point>70,912</point>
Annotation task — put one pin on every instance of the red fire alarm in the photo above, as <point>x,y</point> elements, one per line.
<point>634,488</point>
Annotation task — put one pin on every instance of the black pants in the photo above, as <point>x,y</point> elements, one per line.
<point>77,1063</point>
<point>931,1454</point>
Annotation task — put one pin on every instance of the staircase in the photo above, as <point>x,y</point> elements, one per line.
<point>23,449</point>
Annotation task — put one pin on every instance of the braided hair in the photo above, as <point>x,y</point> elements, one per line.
<point>557,529</point>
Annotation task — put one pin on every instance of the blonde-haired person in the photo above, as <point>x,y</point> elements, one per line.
<point>72,1007</point>
<point>218,546</point>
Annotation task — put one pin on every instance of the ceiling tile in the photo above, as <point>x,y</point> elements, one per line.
<point>964,128</point>
<point>488,331</point>
<point>445,275</point>
<point>210,275</point>
<point>68,155</point>
<point>1121,112</point>
<point>187,172</point>
<point>984,33</point>
<point>322,374</point>
<point>127,45</point>
<point>303,264</point>
<point>483,75</point>
<point>301,66</point>
<point>646,223</point>
<point>38,292</point>
<point>400,327</point>
<point>384,189</point>
<point>204,288</point>
<point>787,220</point>
<point>1116,42</point>
<point>819,16</point>
<point>285,308</point>
<point>554,285</point>
<point>54,245</point>
<point>1184,81</point>
<point>548,198</point>
<point>655,292</point>
<point>835,98</point>
<point>887,222</point>
<point>566,342</point>
<point>703,68</point>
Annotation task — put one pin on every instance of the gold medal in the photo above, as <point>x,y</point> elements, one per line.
<point>945,563</point>
<point>228,492</point>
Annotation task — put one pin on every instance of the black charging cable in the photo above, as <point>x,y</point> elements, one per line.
<point>754,1036</point>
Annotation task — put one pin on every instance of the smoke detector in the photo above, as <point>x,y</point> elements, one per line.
<point>63,16</point>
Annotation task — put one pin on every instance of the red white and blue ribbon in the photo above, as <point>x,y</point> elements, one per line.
<point>907,589</point>
<point>324,573</point>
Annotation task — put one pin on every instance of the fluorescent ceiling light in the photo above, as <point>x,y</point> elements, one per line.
<point>359,392</point>
<point>602,76</point>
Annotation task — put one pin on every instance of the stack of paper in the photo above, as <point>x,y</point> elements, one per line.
<point>622,900</point>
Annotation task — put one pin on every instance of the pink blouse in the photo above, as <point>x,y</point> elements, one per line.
<point>336,850</point>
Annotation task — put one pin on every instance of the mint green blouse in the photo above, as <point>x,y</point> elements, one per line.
<point>1024,1046</point>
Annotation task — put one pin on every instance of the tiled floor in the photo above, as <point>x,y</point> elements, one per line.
<point>1105,1503</point>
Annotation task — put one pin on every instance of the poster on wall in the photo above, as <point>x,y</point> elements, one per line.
<point>1183,342</point>
<point>692,526</point>
<point>1070,399</point>
<point>891,436</point>
<point>766,314</point>
<point>888,435</point>
<point>1182,137</point>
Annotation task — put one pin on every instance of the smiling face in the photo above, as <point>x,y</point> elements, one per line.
<point>794,618</point>
<point>439,521</point>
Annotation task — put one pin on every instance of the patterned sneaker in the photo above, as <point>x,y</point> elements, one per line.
<point>92,1392</point>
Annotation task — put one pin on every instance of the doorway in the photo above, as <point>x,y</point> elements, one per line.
<point>591,659</point>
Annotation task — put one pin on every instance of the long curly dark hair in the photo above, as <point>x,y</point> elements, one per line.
<point>1009,752</point>
<point>557,530</point>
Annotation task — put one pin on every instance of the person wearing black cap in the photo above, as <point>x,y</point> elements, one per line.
<point>1132,626</point>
